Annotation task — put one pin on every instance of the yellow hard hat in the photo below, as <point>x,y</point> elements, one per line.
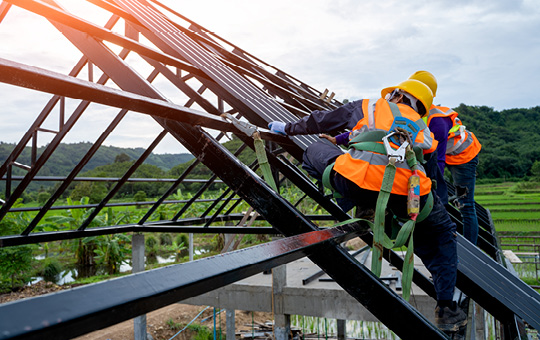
<point>426,78</point>
<point>414,87</point>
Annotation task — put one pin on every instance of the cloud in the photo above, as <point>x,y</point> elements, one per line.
<point>482,52</point>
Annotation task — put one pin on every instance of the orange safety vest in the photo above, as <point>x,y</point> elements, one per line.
<point>366,168</point>
<point>439,111</point>
<point>462,144</point>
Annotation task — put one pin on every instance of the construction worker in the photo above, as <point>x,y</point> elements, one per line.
<point>358,175</point>
<point>458,149</point>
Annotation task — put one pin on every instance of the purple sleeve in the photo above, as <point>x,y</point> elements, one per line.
<point>343,139</point>
<point>440,127</point>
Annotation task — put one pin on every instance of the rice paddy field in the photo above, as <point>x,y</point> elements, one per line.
<point>514,207</point>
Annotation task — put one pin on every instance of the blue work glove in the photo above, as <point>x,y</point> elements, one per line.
<point>277,127</point>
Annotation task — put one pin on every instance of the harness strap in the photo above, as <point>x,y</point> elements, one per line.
<point>326,181</point>
<point>363,141</point>
<point>369,146</point>
<point>263,160</point>
<point>369,136</point>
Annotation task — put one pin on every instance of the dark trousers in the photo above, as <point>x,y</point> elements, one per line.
<point>434,172</point>
<point>434,237</point>
<point>464,176</point>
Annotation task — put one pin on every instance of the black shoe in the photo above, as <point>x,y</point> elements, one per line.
<point>450,319</point>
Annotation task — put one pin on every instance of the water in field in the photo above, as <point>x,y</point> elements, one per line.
<point>70,275</point>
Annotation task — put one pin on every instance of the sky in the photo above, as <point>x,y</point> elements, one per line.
<point>482,52</point>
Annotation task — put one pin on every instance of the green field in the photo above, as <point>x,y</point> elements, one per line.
<point>515,211</point>
<point>514,207</point>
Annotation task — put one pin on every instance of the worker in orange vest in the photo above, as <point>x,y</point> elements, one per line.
<point>458,149</point>
<point>358,174</point>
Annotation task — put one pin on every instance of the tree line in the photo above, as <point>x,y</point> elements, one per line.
<point>509,139</point>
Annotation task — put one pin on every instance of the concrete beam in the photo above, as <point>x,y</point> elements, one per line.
<point>318,298</point>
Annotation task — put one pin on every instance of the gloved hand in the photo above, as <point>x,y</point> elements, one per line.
<point>277,127</point>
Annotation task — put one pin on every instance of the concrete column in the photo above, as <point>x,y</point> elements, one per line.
<point>190,248</point>
<point>282,322</point>
<point>481,331</point>
<point>137,263</point>
<point>341,329</point>
<point>230,323</point>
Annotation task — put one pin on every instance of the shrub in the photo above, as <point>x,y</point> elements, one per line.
<point>165,239</point>
<point>140,196</point>
<point>151,249</point>
<point>43,197</point>
<point>182,238</point>
<point>15,263</point>
<point>51,268</point>
<point>150,242</point>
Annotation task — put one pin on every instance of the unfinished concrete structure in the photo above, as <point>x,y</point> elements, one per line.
<point>213,77</point>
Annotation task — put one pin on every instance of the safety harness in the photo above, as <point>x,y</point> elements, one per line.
<point>402,132</point>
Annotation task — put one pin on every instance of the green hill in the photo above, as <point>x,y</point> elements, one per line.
<point>67,156</point>
<point>509,138</point>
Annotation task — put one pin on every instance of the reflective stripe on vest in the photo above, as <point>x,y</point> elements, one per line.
<point>462,145</point>
<point>440,111</point>
<point>457,144</point>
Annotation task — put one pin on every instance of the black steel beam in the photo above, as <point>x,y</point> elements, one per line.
<point>77,311</point>
<point>110,179</point>
<point>167,227</point>
<point>123,180</point>
<point>169,191</point>
<point>125,204</point>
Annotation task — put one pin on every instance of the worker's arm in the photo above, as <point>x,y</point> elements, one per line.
<point>332,121</point>
<point>342,139</point>
<point>440,126</point>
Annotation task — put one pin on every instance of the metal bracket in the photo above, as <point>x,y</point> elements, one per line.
<point>246,127</point>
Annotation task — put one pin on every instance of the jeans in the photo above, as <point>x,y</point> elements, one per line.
<point>434,237</point>
<point>464,176</point>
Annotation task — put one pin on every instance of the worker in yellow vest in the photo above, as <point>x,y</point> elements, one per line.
<point>458,149</point>
<point>357,175</point>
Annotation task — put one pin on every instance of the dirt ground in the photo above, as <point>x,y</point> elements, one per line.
<point>157,321</point>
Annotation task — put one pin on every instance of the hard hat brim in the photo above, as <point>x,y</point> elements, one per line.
<point>387,90</point>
